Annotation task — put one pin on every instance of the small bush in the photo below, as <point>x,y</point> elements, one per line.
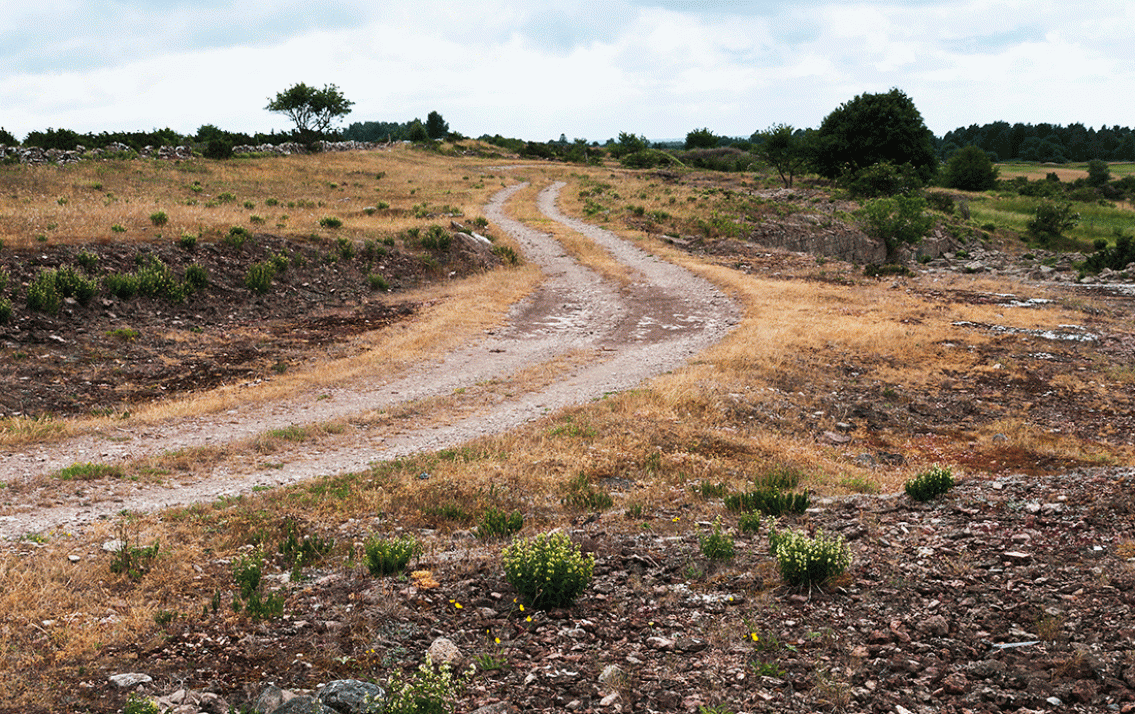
<point>188,241</point>
<point>43,296</point>
<point>749,522</point>
<point>131,560</point>
<point>86,259</point>
<point>248,572</point>
<point>121,285</point>
<point>237,237</point>
<point>498,524</point>
<point>507,255</point>
<point>159,219</point>
<point>258,279</point>
<point>385,556</point>
<point>280,262</point>
<point>88,472</point>
<point>140,704</point>
<point>196,278</point>
<point>330,222</point>
<point>808,561</point>
<point>548,570</point>
<point>118,228</point>
<point>156,280</point>
<point>770,502</point>
<point>716,545</point>
<point>71,284</point>
<point>377,282</point>
<point>4,278</point>
<point>1051,220</point>
<point>437,238</point>
<point>5,311</point>
<point>433,690</point>
<point>346,248</point>
<point>300,550</point>
<point>930,484</point>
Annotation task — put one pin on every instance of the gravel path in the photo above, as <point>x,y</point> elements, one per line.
<point>634,332</point>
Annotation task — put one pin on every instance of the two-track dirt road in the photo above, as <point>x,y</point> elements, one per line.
<point>617,334</point>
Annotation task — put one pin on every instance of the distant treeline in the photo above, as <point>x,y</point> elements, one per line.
<point>1043,142</point>
<point>68,140</point>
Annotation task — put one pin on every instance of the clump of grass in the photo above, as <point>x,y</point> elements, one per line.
<point>330,222</point>
<point>237,237</point>
<point>159,218</point>
<point>89,471</point>
<point>258,279</point>
<point>498,524</point>
<point>385,556</point>
<point>248,572</point>
<point>548,570</point>
<point>378,282</point>
<point>43,295</point>
<point>582,495</point>
<point>123,333</point>
<point>930,484</point>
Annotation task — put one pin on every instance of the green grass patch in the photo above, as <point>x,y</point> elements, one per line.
<point>89,471</point>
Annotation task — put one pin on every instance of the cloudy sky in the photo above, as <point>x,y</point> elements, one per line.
<point>534,69</point>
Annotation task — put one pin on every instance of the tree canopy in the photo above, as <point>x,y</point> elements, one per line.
<point>701,139</point>
<point>436,127</point>
<point>312,110</point>
<point>970,169</point>
<point>871,128</point>
<point>783,148</point>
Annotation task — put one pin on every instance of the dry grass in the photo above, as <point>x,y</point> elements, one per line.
<point>759,399</point>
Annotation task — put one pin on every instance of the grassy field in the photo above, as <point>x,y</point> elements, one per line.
<point>819,348</point>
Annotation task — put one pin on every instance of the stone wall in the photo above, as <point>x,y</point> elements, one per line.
<point>35,155</point>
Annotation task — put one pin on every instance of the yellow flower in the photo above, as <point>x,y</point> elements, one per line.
<point>754,636</point>
<point>528,619</point>
<point>522,607</point>
<point>497,640</point>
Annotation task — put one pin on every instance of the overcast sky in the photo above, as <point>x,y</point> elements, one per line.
<point>534,69</point>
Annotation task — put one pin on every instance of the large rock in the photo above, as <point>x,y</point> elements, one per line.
<point>350,696</point>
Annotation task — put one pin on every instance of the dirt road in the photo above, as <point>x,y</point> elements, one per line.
<point>626,334</point>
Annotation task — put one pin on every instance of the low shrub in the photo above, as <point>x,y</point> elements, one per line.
<point>87,260</point>
<point>346,248</point>
<point>385,556</point>
<point>377,282</point>
<point>749,522</point>
<point>301,550</point>
<point>5,311</point>
<point>582,495</point>
<point>547,570</point>
<point>717,544</point>
<point>507,255</point>
<point>156,280</point>
<point>121,285</point>
<point>432,690</point>
<point>280,262</point>
<point>196,277</point>
<point>159,218</point>
<point>248,572</point>
<point>258,279</point>
<point>769,501</point>
<point>70,283</point>
<point>132,560</point>
<point>330,222</point>
<point>188,241</point>
<point>437,238</point>
<point>237,237</point>
<point>43,296</point>
<point>498,524</point>
<point>806,561</point>
<point>930,484</point>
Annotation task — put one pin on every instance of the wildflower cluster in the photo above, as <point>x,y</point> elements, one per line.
<point>808,561</point>
<point>548,570</point>
<point>433,690</point>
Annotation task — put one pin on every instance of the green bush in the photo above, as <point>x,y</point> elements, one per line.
<point>717,544</point>
<point>1051,219</point>
<point>237,237</point>
<point>433,690</point>
<point>280,262</point>
<point>385,556</point>
<point>346,248</point>
<point>895,221</point>
<point>122,285</point>
<point>188,241</point>
<point>4,278</point>
<point>377,282</point>
<point>70,283</point>
<point>930,484</point>
<point>156,280</point>
<point>769,501</point>
<point>196,278</point>
<point>131,560</point>
<point>548,570</point>
<point>301,550</point>
<point>159,219</point>
<point>749,522</point>
<point>507,255</point>
<point>5,311</point>
<point>43,295</point>
<point>805,561</point>
<point>970,169</point>
<point>883,179</point>
<point>437,238</point>
<point>140,704</point>
<point>88,260</point>
<point>498,524</point>
<point>939,201</point>
<point>248,572</point>
<point>330,222</point>
<point>258,279</point>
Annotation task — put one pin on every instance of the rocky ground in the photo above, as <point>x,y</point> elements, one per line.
<point>1012,594</point>
<point>111,353</point>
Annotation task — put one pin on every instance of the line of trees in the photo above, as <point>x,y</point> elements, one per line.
<point>1043,142</point>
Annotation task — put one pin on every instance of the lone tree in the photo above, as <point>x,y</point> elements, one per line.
<point>313,110</point>
<point>872,128</point>
<point>436,127</point>
<point>970,169</point>
<point>701,139</point>
<point>783,148</point>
